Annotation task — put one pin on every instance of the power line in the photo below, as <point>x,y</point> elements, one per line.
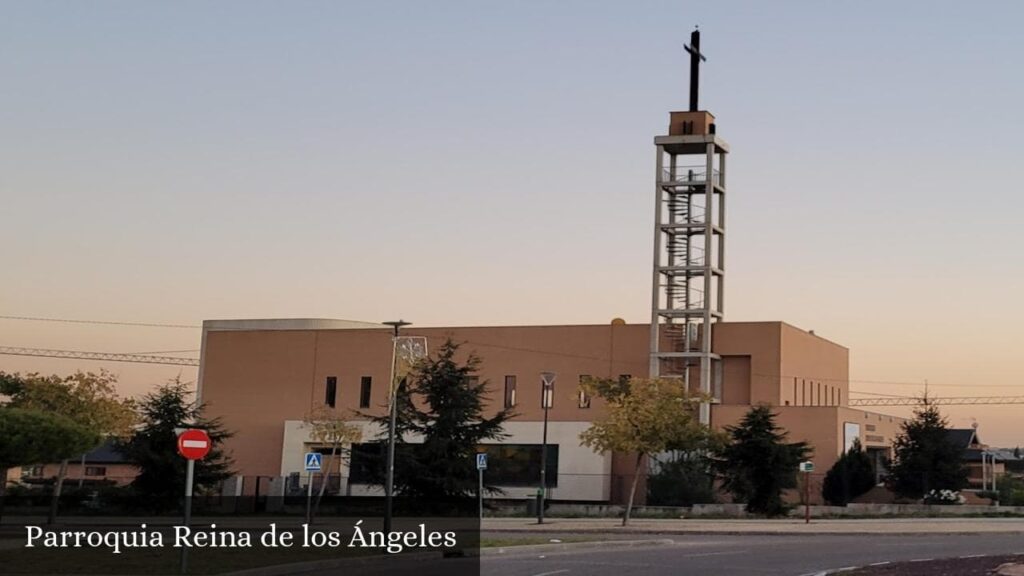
<point>106,356</point>
<point>101,322</point>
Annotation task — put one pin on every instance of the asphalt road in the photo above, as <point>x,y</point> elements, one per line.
<point>728,555</point>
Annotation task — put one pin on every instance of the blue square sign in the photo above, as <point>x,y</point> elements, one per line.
<point>481,461</point>
<point>314,461</point>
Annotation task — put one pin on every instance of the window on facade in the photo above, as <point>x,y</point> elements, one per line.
<point>32,472</point>
<point>331,393</point>
<point>365,385</point>
<point>819,394</point>
<point>519,464</point>
<point>507,464</point>
<point>95,470</point>
<point>584,397</point>
<point>510,391</point>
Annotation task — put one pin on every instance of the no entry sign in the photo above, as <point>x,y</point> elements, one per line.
<point>194,444</point>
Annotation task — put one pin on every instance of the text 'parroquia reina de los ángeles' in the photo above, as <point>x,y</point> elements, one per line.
<point>273,537</point>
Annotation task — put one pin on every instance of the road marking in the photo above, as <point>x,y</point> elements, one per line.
<point>922,559</point>
<point>974,556</point>
<point>879,563</point>
<point>552,572</point>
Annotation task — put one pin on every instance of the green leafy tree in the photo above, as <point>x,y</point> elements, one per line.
<point>32,436</point>
<point>757,464</point>
<point>644,417</point>
<point>442,403</point>
<point>924,457</point>
<point>88,399</point>
<point>153,447</point>
<point>851,476</point>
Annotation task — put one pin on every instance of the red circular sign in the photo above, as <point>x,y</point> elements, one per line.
<point>194,444</point>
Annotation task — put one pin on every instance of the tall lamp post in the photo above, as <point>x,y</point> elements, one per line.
<point>389,482</point>
<point>547,399</point>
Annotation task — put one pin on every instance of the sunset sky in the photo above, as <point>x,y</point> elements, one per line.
<point>491,163</point>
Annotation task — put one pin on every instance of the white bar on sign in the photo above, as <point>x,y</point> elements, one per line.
<point>193,444</point>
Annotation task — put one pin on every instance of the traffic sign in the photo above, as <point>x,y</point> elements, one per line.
<point>194,444</point>
<point>314,461</point>
<point>807,466</point>
<point>481,461</point>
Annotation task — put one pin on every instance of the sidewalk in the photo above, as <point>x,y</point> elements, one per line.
<point>783,526</point>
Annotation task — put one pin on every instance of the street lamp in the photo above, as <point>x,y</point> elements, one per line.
<point>389,482</point>
<point>547,399</point>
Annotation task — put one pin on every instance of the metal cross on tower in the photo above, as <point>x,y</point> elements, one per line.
<point>695,59</point>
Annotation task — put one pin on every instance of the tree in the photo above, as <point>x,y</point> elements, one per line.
<point>644,417</point>
<point>442,403</point>
<point>331,428</point>
<point>33,436</point>
<point>88,399</point>
<point>924,456</point>
<point>851,476</point>
<point>758,464</point>
<point>153,447</point>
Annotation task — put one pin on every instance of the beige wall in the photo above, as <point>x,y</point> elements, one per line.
<point>257,379</point>
<point>813,371</point>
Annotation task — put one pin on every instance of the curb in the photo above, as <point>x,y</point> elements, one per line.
<point>565,546</point>
<point>845,569</point>
<point>698,532</point>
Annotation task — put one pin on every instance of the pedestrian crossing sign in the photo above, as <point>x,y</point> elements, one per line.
<point>314,461</point>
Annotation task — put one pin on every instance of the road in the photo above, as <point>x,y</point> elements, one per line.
<point>734,555</point>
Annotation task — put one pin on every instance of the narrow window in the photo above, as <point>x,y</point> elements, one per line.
<point>584,397</point>
<point>819,394</point>
<point>95,470</point>
<point>510,391</point>
<point>794,391</point>
<point>803,392</point>
<point>331,394</point>
<point>365,384</point>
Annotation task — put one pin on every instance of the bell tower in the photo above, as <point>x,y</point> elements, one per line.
<point>689,245</point>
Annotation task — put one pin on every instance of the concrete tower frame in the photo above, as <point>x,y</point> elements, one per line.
<point>689,253</point>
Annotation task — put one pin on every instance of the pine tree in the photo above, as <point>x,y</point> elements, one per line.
<point>153,447</point>
<point>442,403</point>
<point>925,458</point>
<point>851,476</point>
<point>758,464</point>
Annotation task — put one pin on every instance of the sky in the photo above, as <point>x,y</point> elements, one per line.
<point>491,163</point>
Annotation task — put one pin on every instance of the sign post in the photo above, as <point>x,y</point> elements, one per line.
<point>481,465</point>
<point>313,463</point>
<point>807,467</point>
<point>193,444</point>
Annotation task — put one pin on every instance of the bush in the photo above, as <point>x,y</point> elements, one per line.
<point>944,497</point>
<point>683,480</point>
<point>1010,490</point>
<point>851,476</point>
